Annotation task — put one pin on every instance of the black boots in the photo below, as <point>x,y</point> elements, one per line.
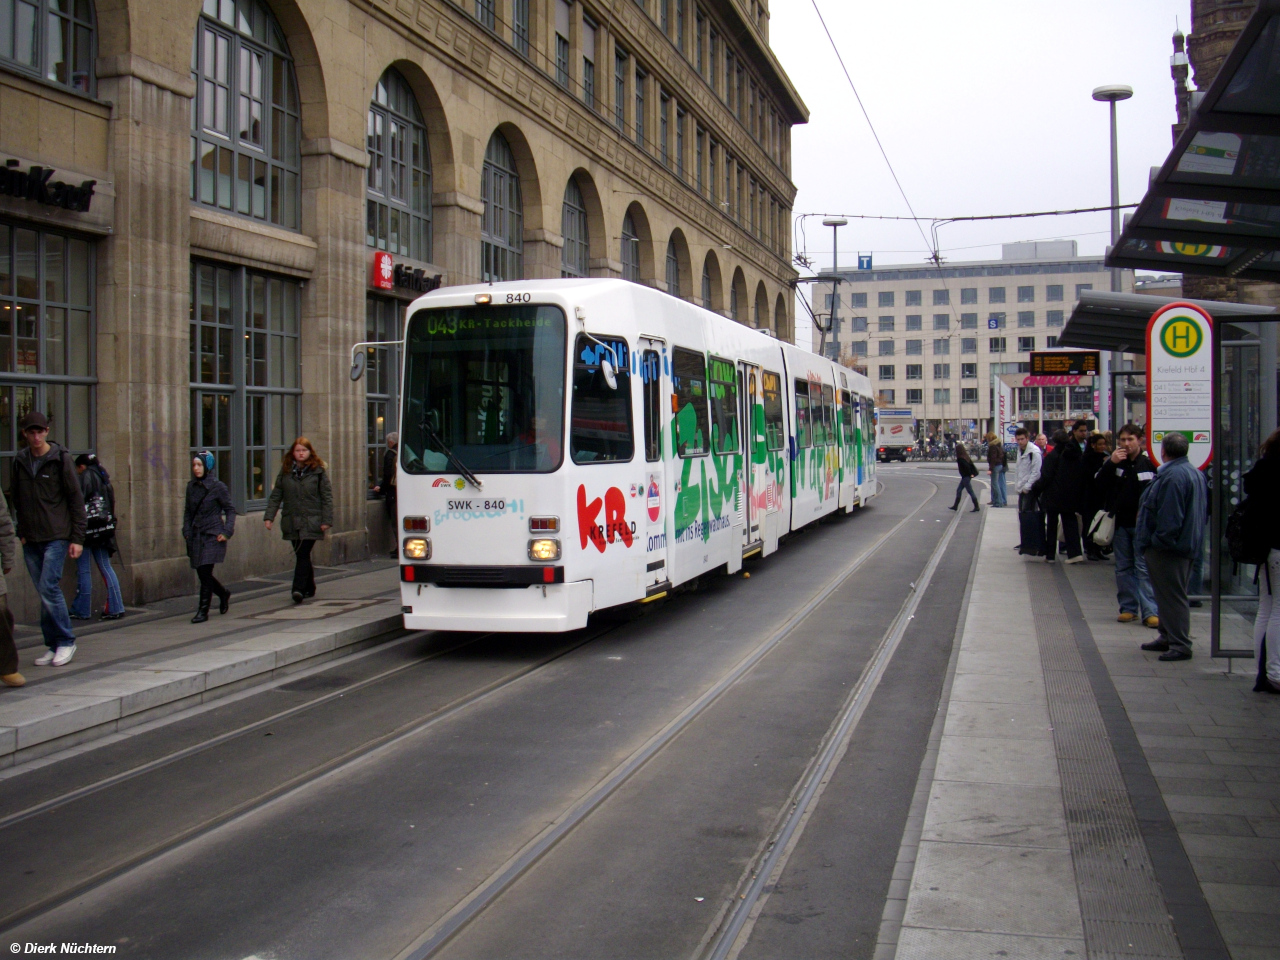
<point>224,600</point>
<point>202,611</point>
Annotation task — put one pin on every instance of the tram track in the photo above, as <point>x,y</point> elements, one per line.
<point>282,789</point>
<point>457,918</point>
<point>453,922</point>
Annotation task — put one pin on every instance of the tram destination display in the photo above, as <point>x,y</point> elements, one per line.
<point>1065,363</point>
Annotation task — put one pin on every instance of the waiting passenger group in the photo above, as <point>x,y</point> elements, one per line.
<point>65,507</point>
<point>1152,520</point>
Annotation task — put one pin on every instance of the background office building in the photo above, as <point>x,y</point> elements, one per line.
<point>932,339</point>
<point>204,203</point>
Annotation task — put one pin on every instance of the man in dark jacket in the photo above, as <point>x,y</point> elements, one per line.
<point>1170,531</point>
<point>48,511</point>
<point>1060,489</point>
<point>1121,482</point>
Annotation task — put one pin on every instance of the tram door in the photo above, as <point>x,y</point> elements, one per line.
<point>655,384</point>
<point>755,474</point>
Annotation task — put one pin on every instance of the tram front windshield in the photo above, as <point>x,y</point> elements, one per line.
<point>484,384</point>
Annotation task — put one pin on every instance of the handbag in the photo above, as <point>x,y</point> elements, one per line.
<point>1102,528</point>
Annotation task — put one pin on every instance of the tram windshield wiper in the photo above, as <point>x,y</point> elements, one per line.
<point>426,426</point>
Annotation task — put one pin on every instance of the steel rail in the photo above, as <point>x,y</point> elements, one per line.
<point>734,930</point>
<point>471,906</point>
<point>298,782</point>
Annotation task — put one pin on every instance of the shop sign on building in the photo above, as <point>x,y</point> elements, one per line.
<point>37,184</point>
<point>386,274</point>
<point>1180,380</point>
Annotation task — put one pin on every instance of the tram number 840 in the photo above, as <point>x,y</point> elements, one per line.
<point>519,297</point>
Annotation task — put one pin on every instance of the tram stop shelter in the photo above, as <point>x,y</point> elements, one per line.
<point>1213,209</point>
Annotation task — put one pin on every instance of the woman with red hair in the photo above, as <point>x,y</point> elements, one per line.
<point>304,497</point>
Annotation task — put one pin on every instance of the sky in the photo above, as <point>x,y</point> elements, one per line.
<point>982,107</point>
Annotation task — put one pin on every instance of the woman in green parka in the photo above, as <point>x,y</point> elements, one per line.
<point>304,497</point>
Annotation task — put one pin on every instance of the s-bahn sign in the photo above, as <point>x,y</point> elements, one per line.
<point>1180,380</point>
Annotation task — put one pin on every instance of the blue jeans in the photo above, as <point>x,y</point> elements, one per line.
<point>999,492</point>
<point>44,564</point>
<point>1133,584</point>
<point>82,606</point>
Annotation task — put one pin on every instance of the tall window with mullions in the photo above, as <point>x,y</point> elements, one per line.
<point>245,149</point>
<point>573,226</point>
<point>485,12</point>
<point>630,250</point>
<point>245,372</point>
<point>46,337</point>
<point>520,25</point>
<point>398,204</point>
<point>384,319</point>
<point>673,269</point>
<point>502,229</point>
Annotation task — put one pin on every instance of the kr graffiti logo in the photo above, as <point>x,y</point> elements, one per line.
<point>615,524</point>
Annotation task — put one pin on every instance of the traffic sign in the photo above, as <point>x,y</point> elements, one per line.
<point>993,323</point>
<point>864,261</point>
<point>1180,380</point>
<point>1066,363</point>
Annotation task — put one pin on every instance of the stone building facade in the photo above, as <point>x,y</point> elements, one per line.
<point>274,180</point>
<point>933,340</point>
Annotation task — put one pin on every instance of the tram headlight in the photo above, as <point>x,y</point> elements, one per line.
<point>416,548</point>
<point>544,550</point>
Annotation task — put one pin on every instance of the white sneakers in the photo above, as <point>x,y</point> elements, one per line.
<point>1079,559</point>
<point>57,658</point>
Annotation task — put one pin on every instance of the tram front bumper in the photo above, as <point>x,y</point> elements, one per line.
<point>541,608</point>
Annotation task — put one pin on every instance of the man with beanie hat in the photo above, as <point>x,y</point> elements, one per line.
<point>48,511</point>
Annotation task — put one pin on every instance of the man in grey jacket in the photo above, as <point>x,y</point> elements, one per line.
<point>1169,534</point>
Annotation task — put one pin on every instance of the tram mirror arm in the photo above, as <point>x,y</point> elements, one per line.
<point>428,428</point>
<point>360,359</point>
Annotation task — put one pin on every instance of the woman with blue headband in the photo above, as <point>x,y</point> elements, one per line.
<point>208,522</point>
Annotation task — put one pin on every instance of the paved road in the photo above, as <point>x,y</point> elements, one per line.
<point>608,793</point>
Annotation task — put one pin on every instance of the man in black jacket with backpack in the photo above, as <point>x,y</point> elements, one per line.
<point>1122,479</point>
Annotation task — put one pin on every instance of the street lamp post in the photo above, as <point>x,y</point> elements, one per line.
<point>1111,94</point>
<point>835,223</point>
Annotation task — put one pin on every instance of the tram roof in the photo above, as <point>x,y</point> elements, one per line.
<point>1213,208</point>
<point>1118,321</point>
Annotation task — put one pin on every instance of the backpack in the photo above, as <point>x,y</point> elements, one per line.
<point>1247,539</point>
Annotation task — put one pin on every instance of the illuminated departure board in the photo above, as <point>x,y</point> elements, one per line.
<point>1066,363</point>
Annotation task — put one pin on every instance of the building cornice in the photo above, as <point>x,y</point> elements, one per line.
<point>455,38</point>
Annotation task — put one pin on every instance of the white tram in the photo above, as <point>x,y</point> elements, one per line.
<point>572,445</point>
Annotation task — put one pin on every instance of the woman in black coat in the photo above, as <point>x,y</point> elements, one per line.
<point>1060,496</point>
<point>99,541</point>
<point>964,463</point>
<point>1095,455</point>
<point>1262,487</point>
<point>304,497</point>
<point>208,521</point>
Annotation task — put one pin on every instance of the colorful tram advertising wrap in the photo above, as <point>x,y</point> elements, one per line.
<point>572,445</point>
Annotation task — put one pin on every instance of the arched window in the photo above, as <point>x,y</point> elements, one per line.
<point>733,301</point>
<point>673,269</point>
<point>706,286</point>
<point>53,39</point>
<point>502,231</point>
<point>760,320</point>
<point>573,225</point>
<point>630,250</point>
<point>244,117</point>
<point>398,206</point>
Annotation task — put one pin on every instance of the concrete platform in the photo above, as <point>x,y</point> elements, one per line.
<point>137,669</point>
<point>1085,799</point>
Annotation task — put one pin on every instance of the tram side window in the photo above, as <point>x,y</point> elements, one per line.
<point>689,402</point>
<point>651,378</point>
<point>600,429</point>
<point>774,431</point>
<point>803,439</point>
<point>829,413</point>
<point>846,424</point>
<point>818,426</point>
<point>724,406</point>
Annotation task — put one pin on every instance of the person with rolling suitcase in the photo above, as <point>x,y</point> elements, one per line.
<point>1026,473</point>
